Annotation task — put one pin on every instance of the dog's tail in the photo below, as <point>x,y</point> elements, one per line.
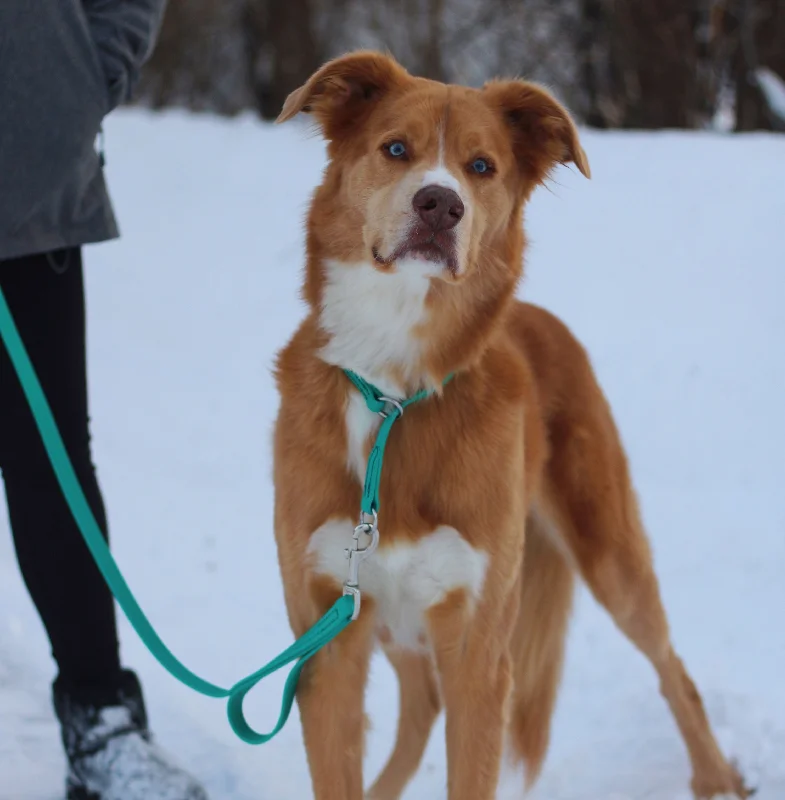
<point>538,645</point>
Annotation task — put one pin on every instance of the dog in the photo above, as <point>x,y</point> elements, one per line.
<point>498,488</point>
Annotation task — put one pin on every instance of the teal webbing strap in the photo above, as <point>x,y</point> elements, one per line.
<point>392,411</point>
<point>328,627</point>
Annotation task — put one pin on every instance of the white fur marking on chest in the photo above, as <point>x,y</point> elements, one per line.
<point>370,317</point>
<point>405,578</point>
<point>361,422</point>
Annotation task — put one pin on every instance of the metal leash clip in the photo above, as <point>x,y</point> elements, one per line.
<point>357,555</point>
<point>390,402</point>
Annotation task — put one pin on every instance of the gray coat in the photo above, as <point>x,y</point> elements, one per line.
<point>64,65</point>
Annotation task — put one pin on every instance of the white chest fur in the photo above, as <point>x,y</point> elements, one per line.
<point>371,319</point>
<point>360,424</point>
<point>405,579</point>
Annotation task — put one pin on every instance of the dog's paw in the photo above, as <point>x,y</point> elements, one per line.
<point>727,785</point>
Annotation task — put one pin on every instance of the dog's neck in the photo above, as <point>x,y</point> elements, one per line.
<point>374,322</point>
<point>403,331</point>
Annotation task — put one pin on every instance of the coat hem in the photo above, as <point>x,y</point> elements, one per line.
<point>54,241</point>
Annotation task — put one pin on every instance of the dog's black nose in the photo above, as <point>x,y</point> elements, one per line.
<point>439,208</point>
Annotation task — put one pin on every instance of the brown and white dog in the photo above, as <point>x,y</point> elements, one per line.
<point>495,491</point>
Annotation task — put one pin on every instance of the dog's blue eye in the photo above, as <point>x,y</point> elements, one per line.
<point>396,149</point>
<point>480,165</point>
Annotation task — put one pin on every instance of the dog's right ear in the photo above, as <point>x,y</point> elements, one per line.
<point>345,89</point>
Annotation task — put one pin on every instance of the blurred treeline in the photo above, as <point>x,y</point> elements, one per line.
<point>616,63</point>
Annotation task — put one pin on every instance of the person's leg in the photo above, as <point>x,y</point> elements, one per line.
<point>45,295</point>
<point>99,705</point>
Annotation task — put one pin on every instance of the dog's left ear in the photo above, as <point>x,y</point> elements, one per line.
<point>345,89</point>
<point>543,133</point>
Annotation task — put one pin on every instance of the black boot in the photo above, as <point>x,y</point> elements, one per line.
<point>110,752</point>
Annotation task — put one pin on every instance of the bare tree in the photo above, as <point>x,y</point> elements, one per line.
<point>759,29</point>
<point>641,64</point>
<point>282,50</point>
<point>466,41</point>
<point>199,61</point>
<point>228,55</point>
<point>225,56</point>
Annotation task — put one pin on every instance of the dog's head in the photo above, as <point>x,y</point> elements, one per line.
<point>424,171</point>
<point>415,239</point>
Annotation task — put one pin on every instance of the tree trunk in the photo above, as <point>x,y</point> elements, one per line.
<point>432,61</point>
<point>639,64</point>
<point>281,50</point>
<point>295,51</point>
<point>760,26</point>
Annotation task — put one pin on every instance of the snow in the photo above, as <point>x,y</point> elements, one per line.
<point>668,265</point>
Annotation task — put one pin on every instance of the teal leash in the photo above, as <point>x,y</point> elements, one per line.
<point>391,410</point>
<point>324,631</point>
<point>344,610</point>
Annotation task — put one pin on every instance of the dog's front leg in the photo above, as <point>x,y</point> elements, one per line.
<point>331,702</point>
<point>471,644</point>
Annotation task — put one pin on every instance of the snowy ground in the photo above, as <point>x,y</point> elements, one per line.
<point>669,265</point>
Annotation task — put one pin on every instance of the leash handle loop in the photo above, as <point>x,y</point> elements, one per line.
<point>323,632</point>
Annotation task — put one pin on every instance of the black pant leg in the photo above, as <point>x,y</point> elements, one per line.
<point>46,296</point>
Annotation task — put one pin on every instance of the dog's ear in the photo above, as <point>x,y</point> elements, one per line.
<point>543,133</point>
<point>345,89</point>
